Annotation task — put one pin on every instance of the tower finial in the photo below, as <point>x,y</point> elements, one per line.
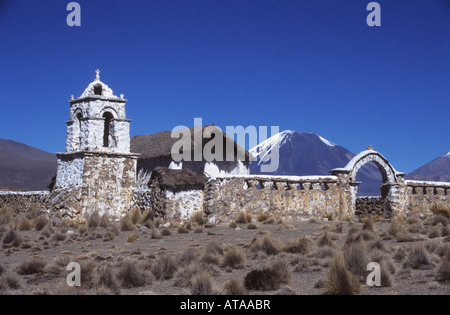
<point>97,75</point>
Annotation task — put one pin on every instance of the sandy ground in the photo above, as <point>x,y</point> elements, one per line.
<point>307,271</point>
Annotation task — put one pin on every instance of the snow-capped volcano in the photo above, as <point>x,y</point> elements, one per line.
<point>437,170</point>
<point>310,154</point>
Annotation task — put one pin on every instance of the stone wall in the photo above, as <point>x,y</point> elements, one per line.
<point>24,201</point>
<point>288,197</point>
<point>422,195</point>
<point>370,206</point>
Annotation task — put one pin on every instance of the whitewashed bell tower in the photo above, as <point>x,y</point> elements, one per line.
<point>97,160</point>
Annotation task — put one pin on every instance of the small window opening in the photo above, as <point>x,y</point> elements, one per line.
<point>108,116</point>
<point>98,89</point>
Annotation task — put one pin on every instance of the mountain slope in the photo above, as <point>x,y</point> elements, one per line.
<point>25,167</point>
<point>437,170</point>
<point>309,154</point>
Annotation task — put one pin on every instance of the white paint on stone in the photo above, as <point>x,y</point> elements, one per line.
<point>70,173</point>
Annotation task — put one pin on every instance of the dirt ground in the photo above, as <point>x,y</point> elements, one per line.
<point>161,263</point>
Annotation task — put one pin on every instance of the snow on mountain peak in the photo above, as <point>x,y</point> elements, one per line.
<point>447,154</point>
<point>328,143</point>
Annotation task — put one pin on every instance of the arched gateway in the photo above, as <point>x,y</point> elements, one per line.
<point>392,179</point>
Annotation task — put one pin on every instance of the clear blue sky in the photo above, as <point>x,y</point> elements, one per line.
<point>306,65</point>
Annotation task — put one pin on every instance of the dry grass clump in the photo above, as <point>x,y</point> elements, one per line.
<point>417,258</point>
<point>441,210</point>
<point>182,230</point>
<point>267,245</point>
<point>262,217</point>
<point>202,284</point>
<point>156,235</point>
<point>232,225</point>
<point>234,258</point>
<point>135,216</point>
<point>40,222</point>
<point>369,225</point>
<point>125,224</point>
<point>232,287</point>
<point>399,230</point>
<point>9,281</point>
<point>435,232</point>
<point>443,273</point>
<point>356,258</point>
<point>199,218</point>
<point>252,226</point>
<point>164,268</point>
<point>187,257</point>
<point>326,240</point>
<point>166,232</point>
<point>94,220</point>
<point>244,218</point>
<point>340,280</point>
<point>183,277</point>
<point>58,237</point>
<point>10,237</point>
<point>131,274</point>
<point>31,266</point>
<point>24,224</point>
<point>131,238</point>
<point>106,279</point>
<point>268,278</point>
<point>298,246</point>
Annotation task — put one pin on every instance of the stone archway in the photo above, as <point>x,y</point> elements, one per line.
<point>392,180</point>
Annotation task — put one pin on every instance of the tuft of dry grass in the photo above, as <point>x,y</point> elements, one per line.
<point>417,258</point>
<point>166,232</point>
<point>202,284</point>
<point>131,238</point>
<point>369,225</point>
<point>10,281</point>
<point>356,258</point>
<point>232,287</point>
<point>268,278</point>
<point>435,232</point>
<point>252,226</point>
<point>234,258</point>
<point>199,218</point>
<point>135,216</point>
<point>156,235</point>
<point>263,217</point>
<point>104,221</point>
<point>183,277</point>
<point>182,230</point>
<point>94,220</point>
<point>232,225</point>
<point>31,266</point>
<point>40,222</point>
<point>241,218</point>
<point>298,246</point>
<point>326,240</point>
<point>24,224</point>
<point>340,280</point>
<point>125,224</point>
<point>268,245</point>
<point>443,273</point>
<point>441,209</point>
<point>164,268</point>
<point>10,237</point>
<point>131,274</point>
